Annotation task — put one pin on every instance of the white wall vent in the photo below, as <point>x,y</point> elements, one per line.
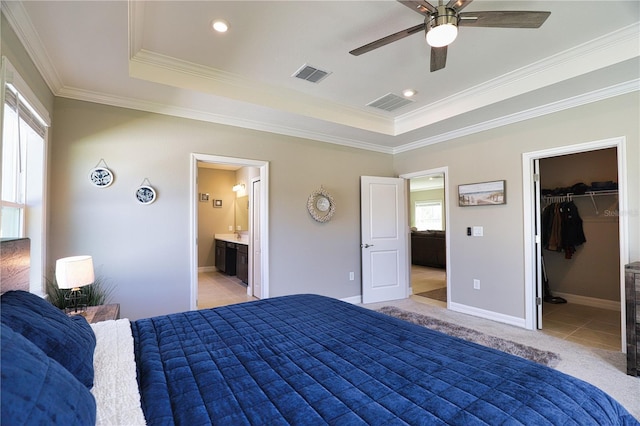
<point>312,74</point>
<point>390,102</point>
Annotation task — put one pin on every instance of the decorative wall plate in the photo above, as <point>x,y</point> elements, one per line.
<point>101,177</point>
<point>321,205</point>
<point>145,194</point>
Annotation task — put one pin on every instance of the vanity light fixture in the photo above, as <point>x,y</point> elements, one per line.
<point>238,187</point>
<point>220,25</point>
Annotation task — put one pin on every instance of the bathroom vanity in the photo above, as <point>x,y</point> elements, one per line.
<point>232,255</point>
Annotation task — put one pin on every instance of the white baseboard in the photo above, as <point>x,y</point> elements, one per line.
<point>476,312</point>
<point>354,300</point>
<point>207,268</point>
<point>590,301</point>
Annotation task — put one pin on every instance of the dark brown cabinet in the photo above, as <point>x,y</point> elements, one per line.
<point>632,293</point>
<point>221,251</point>
<point>242,263</point>
<point>232,259</point>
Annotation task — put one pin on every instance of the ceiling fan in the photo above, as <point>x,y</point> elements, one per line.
<point>441,25</point>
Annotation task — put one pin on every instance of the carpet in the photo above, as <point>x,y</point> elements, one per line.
<point>547,358</point>
<point>437,294</point>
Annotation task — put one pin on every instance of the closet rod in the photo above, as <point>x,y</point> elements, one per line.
<point>569,197</point>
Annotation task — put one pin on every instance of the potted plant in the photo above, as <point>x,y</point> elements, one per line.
<point>98,293</point>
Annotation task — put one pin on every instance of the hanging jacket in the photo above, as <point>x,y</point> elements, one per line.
<point>572,233</point>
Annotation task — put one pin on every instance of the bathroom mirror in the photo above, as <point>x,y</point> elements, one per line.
<point>242,213</point>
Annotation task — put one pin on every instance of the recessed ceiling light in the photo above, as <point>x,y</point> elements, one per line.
<point>220,26</point>
<point>408,93</point>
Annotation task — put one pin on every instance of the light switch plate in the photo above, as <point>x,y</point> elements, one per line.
<point>478,231</point>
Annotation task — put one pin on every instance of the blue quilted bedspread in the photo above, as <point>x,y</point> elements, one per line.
<point>311,360</point>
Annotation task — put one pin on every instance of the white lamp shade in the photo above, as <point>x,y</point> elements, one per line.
<point>74,271</point>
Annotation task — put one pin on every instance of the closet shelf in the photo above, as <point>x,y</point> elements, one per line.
<point>570,196</point>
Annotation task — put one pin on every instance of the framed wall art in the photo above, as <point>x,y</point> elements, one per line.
<point>217,203</point>
<point>145,194</point>
<point>100,176</point>
<point>482,194</point>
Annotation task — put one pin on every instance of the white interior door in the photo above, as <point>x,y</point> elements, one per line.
<point>255,258</point>
<point>538,242</point>
<point>384,239</point>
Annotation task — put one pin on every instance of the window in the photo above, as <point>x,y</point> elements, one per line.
<point>428,215</point>
<point>24,133</point>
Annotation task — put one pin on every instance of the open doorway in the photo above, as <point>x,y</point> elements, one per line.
<point>428,213</point>
<point>568,275</point>
<point>222,225</point>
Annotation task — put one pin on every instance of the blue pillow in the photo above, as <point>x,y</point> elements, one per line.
<point>68,340</point>
<point>37,390</point>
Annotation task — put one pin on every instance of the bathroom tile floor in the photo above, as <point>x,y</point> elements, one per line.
<point>218,289</point>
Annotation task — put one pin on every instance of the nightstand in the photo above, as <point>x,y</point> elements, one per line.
<point>99,313</point>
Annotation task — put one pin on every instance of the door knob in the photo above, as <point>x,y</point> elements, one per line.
<point>366,245</point>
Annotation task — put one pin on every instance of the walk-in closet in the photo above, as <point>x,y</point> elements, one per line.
<point>581,247</point>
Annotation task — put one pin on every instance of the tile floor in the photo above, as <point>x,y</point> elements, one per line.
<point>586,325</point>
<point>218,289</point>
<point>589,326</point>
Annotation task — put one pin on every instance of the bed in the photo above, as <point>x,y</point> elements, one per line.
<point>301,359</point>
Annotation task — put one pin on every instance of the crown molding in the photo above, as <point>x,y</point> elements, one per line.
<point>193,114</point>
<point>576,101</point>
<point>601,52</point>
<point>21,24</point>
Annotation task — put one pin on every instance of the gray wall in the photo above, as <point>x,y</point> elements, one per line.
<point>144,249</point>
<point>497,259</point>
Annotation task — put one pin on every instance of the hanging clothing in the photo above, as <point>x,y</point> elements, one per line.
<point>562,228</point>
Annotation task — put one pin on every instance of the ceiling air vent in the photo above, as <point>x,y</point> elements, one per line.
<point>390,102</point>
<point>309,73</point>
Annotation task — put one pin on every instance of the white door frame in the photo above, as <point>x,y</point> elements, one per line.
<point>445,173</point>
<point>528,194</point>
<point>255,183</point>
<point>263,166</point>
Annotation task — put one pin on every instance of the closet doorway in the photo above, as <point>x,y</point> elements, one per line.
<point>578,293</point>
<point>428,217</point>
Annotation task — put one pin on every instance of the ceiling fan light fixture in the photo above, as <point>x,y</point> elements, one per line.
<point>442,35</point>
<point>442,27</point>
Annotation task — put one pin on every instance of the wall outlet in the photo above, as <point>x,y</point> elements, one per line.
<point>478,231</point>
<point>476,284</point>
<point>352,276</point>
<point>230,227</point>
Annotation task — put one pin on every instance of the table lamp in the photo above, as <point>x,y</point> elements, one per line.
<point>73,273</point>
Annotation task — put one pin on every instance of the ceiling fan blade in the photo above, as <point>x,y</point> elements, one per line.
<point>503,19</point>
<point>438,58</point>
<point>458,5</point>
<point>422,7</point>
<point>386,40</point>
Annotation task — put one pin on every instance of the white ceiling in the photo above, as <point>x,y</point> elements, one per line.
<point>163,56</point>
